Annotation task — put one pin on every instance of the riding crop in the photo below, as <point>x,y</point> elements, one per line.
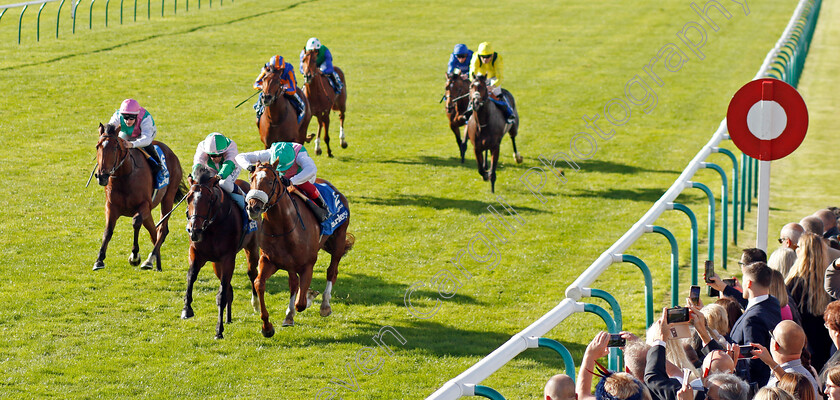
<point>249,98</point>
<point>170,211</point>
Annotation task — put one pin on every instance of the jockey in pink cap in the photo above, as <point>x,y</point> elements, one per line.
<point>138,129</point>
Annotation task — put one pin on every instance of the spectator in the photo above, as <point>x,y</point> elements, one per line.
<point>782,259</point>
<point>786,346</point>
<point>815,225</point>
<point>798,385</point>
<point>635,358</point>
<point>804,283</point>
<point>717,321</point>
<point>727,387</point>
<point>748,256</point>
<point>829,221</point>
<point>733,310</point>
<point>718,361</point>
<point>560,387</point>
<point>674,353</point>
<point>779,291</point>
<point>789,235</point>
<point>657,379</point>
<point>619,385</point>
<point>773,393</point>
<point>832,323</point>
<point>832,383</point>
<point>761,315</point>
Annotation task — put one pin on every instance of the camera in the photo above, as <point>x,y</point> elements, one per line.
<point>616,340</point>
<point>694,295</point>
<point>677,314</point>
<point>745,351</point>
<point>729,282</point>
<point>710,270</point>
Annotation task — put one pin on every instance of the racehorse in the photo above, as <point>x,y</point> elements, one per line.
<point>322,99</point>
<point>457,92</point>
<point>486,128</point>
<point>290,240</point>
<point>215,225</point>
<point>127,178</point>
<point>278,122</point>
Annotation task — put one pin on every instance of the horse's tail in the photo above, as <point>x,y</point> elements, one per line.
<point>182,191</point>
<point>349,241</point>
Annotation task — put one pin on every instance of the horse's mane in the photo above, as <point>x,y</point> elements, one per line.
<point>112,130</point>
<point>203,175</point>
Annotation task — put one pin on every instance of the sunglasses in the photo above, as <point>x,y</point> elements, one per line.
<point>216,155</point>
<point>461,56</point>
<point>129,116</point>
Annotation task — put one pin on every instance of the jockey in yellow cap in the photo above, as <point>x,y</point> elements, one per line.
<point>487,62</point>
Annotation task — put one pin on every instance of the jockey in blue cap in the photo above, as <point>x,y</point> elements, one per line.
<point>459,60</point>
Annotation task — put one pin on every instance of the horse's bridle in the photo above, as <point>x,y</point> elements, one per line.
<point>117,152</point>
<point>276,93</point>
<point>282,188</point>
<point>207,219</point>
<point>452,103</point>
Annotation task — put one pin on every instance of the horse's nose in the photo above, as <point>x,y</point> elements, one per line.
<point>102,179</point>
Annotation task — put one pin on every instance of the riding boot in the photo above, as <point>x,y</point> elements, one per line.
<point>259,107</point>
<point>297,103</point>
<point>336,80</point>
<point>320,212</point>
<point>154,160</point>
<point>468,114</point>
<point>238,198</point>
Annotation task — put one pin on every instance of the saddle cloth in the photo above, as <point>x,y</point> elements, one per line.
<point>338,212</point>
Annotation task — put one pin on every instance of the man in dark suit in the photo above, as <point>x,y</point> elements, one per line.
<point>760,317</point>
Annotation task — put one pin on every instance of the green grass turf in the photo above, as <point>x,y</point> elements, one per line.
<point>68,332</point>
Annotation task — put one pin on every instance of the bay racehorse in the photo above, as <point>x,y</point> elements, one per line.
<point>322,99</point>
<point>278,122</point>
<point>215,225</point>
<point>127,178</point>
<point>486,128</point>
<point>291,239</point>
<point>456,95</point>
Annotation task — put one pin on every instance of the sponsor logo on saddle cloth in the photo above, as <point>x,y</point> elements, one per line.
<point>338,212</point>
<point>162,178</point>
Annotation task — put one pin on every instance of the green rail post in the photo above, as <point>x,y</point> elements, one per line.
<point>734,190</point>
<point>38,23</point>
<point>107,3</point>
<point>724,189</point>
<point>58,16</point>
<point>755,178</point>
<point>90,16</point>
<point>135,10</point>
<point>3,12</point>
<point>488,392</point>
<point>744,162</point>
<point>694,236</point>
<point>20,21</point>
<point>75,6</point>
<point>675,261</point>
<point>162,4</point>
<point>592,308</point>
<point>121,11</point>
<point>698,185</point>
<point>149,9</point>
<point>602,294</point>
<point>749,183</point>
<point>568,361</point>
<point>176,8</point>
<point>648,284</point>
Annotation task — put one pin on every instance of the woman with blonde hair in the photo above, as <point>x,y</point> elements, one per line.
<point>797,385</point>
<point>718,322</point>
<point>780,292</point>
<point>805,285</point>
<point>782,259</point>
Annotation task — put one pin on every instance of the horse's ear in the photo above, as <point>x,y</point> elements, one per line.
<point>275,163</point>
<point>101,128</point>
<point>190,179</point>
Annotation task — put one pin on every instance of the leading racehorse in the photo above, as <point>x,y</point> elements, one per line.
<point>290,240</point>
<point>127,178</point>
<point>216,228</point>
<point>486,128</point>
<point>457,93</point>
<point>278,122</point>
<point>322,99</point>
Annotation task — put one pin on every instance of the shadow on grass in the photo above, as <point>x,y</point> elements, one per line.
<point>613,167</point>
<point>649,195</point>
<point>438,203</point>
<point>439,340</point>
<point>366,290</point>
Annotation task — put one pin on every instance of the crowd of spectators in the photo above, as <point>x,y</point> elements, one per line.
<point>773,335</point>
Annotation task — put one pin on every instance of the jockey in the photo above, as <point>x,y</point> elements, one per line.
<point>296,166</point>
<point>138,129</point>
<point>216,152</point>
<point>459,60</point>
<point>287,79</point>
<point>489,63</point>
<point>324,62</point>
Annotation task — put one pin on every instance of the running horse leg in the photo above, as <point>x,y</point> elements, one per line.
<point>192,274</point>
<point>134,257</point>
<point>339,247</point>
<point>111,217</point>
<point>293,288</point>
<point>145,215</point>
<point>479,159</point>
<point>513,131</point>
<point>267,268</point>
<point>325,121</point>
<point>252,253</point>
<point>224,271</point>
<point>304,297</point>
<point>493,164</point>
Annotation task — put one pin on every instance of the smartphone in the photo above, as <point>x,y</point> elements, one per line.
<point>616,340</point>
<point>694,295</point>
<point>677,314</point>
<point>745,351</point>
<point>710,270</point>
<point>729,282</point>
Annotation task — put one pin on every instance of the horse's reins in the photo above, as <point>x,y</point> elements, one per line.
<point>207,220</point>
<point>117,152</point>
<point>274,188</point>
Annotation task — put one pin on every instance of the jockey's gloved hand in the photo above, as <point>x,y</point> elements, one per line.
<point>251,168</point>
<point>285,181</point>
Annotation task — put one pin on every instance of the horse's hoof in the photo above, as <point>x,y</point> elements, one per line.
<point>220,336</point>
<point>98,265</point>
<point>187,313</point>
<point>309,137</point>
<point>288,322</point>
<point>317,151</point>
<point>518,158</point>
<point>343,144</point>
<point>330,155</point>
<point>268,333</point>
<point>134,259</point>
<point>326,311</point>
<point>485,177</point>
<point>146,266</point>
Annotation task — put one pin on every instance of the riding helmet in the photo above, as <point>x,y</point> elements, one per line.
<point>313,44</point>
<point>284,154</point>
<point>485,49</point>
<point>130,106</point>
<point>216,143</point>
